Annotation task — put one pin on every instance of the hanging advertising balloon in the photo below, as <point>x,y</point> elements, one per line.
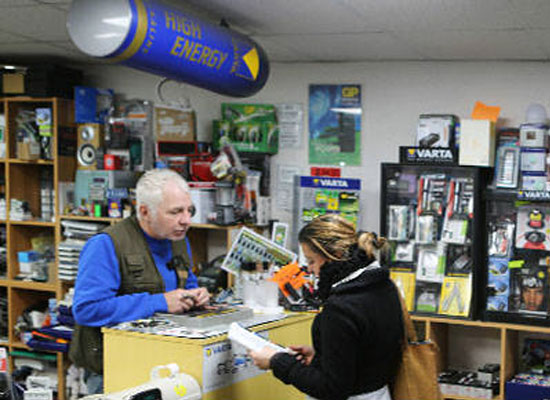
<point>157,38</point>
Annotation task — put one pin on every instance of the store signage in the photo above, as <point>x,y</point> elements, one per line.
<point>330,183</point>
<point>427,155</point>
<point>534,195</point>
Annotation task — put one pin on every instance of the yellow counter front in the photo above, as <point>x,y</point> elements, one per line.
<point>221,373</point>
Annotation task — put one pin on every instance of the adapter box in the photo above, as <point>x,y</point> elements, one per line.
<point>477,143</point>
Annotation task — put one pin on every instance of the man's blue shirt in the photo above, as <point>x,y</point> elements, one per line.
<point>96,302</point>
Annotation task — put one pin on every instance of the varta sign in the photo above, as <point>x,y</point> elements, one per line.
<point>427,155</point>
<point>330,183</point>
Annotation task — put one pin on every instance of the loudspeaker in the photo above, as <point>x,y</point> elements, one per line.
<point>90,144</point>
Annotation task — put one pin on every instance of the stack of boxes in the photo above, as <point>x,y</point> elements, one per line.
<point>533,140</point>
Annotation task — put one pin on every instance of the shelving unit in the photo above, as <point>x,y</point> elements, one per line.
<point>437,329</point>
<point>22,179</point>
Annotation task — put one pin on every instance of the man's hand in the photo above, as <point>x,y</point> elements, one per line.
<point>201,296</point>
<point>179,300</point>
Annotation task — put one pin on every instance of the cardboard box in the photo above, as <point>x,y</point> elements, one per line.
<point>436,130</point>
<point>251,137</point>
<point>174,124</point>
<point>13,83</point>
<point>28,150</point>
<point>477,143</point>
<point>242,112</point>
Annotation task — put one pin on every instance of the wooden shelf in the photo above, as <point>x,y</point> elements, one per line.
<point>32,222</point>
<point>458,397</point>
<point>31,285</point>
<point>483,324</point>
<point>30,162</point>
<point>90,219</point>
<point>20,345</point>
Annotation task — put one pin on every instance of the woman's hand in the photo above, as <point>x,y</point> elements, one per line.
<point>304,354</point>
<point>262,357</point>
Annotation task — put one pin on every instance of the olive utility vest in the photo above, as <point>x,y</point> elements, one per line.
<point>138,273</point>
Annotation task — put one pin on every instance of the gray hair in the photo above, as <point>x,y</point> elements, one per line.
<point>150,186</point>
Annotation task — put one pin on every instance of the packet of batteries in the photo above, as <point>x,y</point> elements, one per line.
<point>431,193</point>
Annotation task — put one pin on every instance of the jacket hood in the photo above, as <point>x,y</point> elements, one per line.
<point>333,272</point>
<point>366,278</point>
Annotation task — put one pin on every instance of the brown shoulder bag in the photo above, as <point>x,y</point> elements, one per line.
<point>417,375</point>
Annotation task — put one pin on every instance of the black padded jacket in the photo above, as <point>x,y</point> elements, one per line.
<point>357,339</point>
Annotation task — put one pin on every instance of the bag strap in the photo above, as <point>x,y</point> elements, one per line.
<point>410,332</point>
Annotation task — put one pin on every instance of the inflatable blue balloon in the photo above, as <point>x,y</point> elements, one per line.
<point>153,37</point>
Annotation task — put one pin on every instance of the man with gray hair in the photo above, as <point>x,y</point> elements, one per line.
<point>134,269</point>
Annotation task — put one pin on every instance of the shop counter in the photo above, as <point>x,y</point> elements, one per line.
<point>222,369</point>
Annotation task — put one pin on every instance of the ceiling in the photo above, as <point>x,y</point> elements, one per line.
<point>324,30</point>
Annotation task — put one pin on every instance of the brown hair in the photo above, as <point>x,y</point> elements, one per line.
<point>333,237</point>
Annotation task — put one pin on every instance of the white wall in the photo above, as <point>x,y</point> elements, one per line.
<point>394,94</point>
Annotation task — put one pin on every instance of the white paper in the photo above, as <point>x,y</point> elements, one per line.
<point>290,118</point>
<point>249,339</point>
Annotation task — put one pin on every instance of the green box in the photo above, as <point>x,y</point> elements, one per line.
<point>251,136</point>
<point>241,113</point>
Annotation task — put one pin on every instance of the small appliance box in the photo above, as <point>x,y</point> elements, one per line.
<point>436,130</point>
<point>477,143</point>
<point>523,391</point>
<point>92,185</point>
<point>91,105</point>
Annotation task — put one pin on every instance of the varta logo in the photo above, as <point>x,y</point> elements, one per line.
<point>222,348</point>
<point>333,182</point>
<point>435,153</point>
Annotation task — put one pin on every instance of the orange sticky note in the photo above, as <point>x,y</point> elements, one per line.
<point>483,111</point>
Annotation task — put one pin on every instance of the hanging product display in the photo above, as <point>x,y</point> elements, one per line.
<point>163,40</point>
<point>431,216</point>
<point>315,196</point>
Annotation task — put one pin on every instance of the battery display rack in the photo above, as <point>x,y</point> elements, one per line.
<point>433,219</point>
<point>518,254</point>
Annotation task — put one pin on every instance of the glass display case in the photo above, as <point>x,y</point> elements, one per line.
<point>434,219</point>
<point>518,256</point>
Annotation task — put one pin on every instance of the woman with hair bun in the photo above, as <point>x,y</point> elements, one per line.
<point>357,337</point>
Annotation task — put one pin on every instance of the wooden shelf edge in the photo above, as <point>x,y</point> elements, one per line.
<point>458,397</point>
<point>30,162</point>
<point>31,222</point>
<point>482,324</point>
<point>91,219</point>
<point>38,286</point>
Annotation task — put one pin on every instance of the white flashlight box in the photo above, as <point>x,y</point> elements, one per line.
<point>533,159</point>
<point>204,200</point>
<point>477,142</point>
<point>434,130</point>
<point>533,135</point>
<point>533,180</point>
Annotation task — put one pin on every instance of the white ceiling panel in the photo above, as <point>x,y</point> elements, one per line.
<point>6,37</point>
<point>534,13</point>
<point>287,16</point>
<point>39,21</point>
<point>30,49</point>
<point>278,49</point>
<point>329,30</point>
<point>542,39</point>
<point>16,3</point>
<point>437,14</point>
<point>348,47</point>
<point>468,45</point>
